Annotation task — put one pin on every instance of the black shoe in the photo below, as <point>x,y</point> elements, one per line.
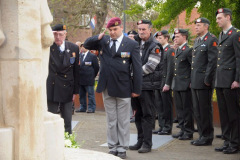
<point>122,155</point>
<point>175,121</point>
<point>179,134</point>
<point>90,111</point>
<point>156,131</point>
<point>144,149</point>
<point>203,142</point>
<point>220,149</point>
<point>193,141</point>
<point>80,110</point>
<point>136,146</point>
<point>219,136</point>
<point>186,137</point>
<point>164,133</point>
<point>230,150</point>
<point>115,153</point>
<point>132,120</point>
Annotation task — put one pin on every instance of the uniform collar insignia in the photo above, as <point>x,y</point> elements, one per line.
<point>184,48</point>
<point>166,49</point>
<point>230,32</point>
<point>205,38</point>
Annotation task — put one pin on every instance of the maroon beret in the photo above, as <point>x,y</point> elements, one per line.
<point>115,21</point>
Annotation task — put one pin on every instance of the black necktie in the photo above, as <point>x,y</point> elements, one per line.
<point>113,47</point>
<point>199,40</point>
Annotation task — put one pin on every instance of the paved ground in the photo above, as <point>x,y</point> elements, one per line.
<point>91,133</point>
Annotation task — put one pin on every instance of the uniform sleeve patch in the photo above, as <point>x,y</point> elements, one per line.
<point>157,50</point>
<point>214,44</point>
<point>173,54</point>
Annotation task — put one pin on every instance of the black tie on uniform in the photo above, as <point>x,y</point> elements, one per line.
<point>113,47</point>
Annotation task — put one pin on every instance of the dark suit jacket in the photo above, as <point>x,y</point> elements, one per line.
<point>228,64</point>
<point>115,72</point>
<point>204,62</point>
<point>62,80</point>
<point>168,66</point>
<point>182,69</point>
<point>88,69</point>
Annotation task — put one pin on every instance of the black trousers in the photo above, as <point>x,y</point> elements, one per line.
<point>183,103</point>
<point>144,116</point>
<point>203,112</point>
<point>229,110</point>
<point>159,110</point>
<point>65,111</point>
<point>163,104</point>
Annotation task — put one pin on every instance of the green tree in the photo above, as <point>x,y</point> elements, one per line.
<point>71,12</point>
<point>168,10</point>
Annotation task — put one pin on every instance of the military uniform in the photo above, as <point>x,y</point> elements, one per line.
<point>62,81</point>
<point>167,76</point>
<point>182,92</point>
<point>204,60</point>
<point>228,66</point>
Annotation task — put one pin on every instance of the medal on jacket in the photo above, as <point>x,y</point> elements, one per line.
<point>72,59</point>
<point>124,61</point>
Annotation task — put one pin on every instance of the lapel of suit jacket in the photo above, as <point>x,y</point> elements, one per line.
<point>179,51</point>
<point>202,41</point>
<point>225,36</point>
<point>106,46</point>
<point>122,45</point>
<point>66,56</point>
<point>54,55</point>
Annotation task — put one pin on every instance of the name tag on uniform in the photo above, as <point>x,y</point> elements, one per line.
<point>125,54</point>
<point>88,63</point>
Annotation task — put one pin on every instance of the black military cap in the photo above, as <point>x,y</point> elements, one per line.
<point>144,22</point>
<point>202,20</point>
<point>163,32</point>
<point>180,31</point>
<point>224,10</point>
<point>132,32</point>
<point>59,27</point>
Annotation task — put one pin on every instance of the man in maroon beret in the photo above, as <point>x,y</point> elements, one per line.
<point>117,53</point>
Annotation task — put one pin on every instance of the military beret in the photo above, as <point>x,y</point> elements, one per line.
<point>180,31</point>
<point>59,27</point>
<point>132,32</point>
<point>115,21</point>
<point>224,10</point>
<point>163,32</point>
<point>202,20</point>
<point>144,22</point>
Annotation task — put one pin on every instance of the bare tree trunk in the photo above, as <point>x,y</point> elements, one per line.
<point>101,14</point>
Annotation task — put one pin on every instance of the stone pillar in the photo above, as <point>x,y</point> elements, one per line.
<point>23,68</point>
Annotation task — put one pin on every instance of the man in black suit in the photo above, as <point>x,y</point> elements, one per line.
<point>227,81</point>
<point>204,63</point>
<point>117,54</point>
<point>88,70</point>
<point>62,80</point>
<point>181,86</point>
<point>165,110</point>
<point>151,55</point>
